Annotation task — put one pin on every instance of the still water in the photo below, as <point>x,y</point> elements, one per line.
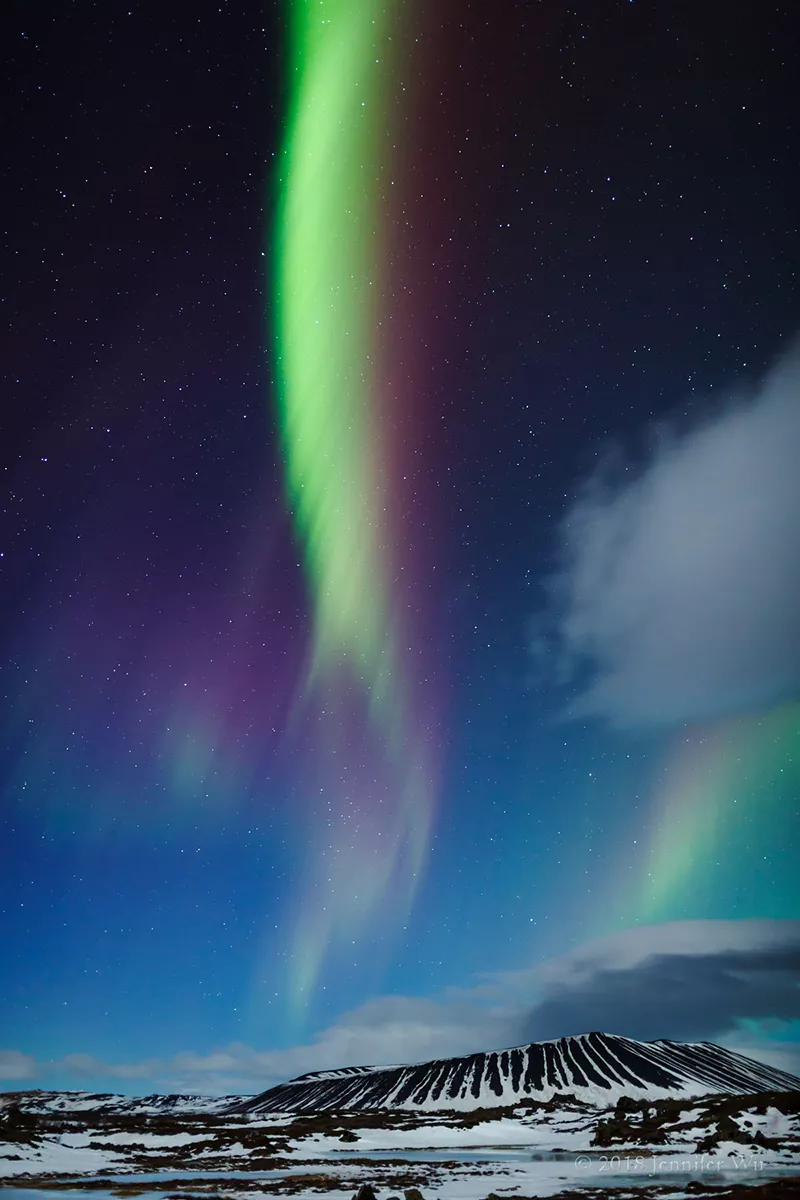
<point>569,1168</point>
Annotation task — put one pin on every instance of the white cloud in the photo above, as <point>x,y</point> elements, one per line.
<point>385,1030</point>
<point>16,1065</point>
<point>734,982</point>
<point>629,948</point>
<point>687,980</point>
<point>680,588</point>
<point>87,1065</point>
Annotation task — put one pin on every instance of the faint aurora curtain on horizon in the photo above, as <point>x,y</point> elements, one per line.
<point>342,404</point>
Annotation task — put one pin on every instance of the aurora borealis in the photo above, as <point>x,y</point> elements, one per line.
<point>399,635</point>
<point>337,406</point>
<point>722,793</point>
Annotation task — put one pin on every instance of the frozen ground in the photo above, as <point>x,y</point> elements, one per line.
<point>563,1147</point>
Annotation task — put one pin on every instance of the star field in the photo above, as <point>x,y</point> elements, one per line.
<point>396,558</point>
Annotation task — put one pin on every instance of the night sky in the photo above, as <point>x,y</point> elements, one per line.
<point>400,578</point>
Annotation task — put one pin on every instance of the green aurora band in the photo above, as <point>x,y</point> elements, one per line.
<point>724,822</point>
<point>335,422</point>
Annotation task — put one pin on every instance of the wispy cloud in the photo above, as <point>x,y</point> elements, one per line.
<point>387,1029</point>
<point>16,1065</point>
<point>687,980</point>
<point>733,982</point>
<point>87,1065</point>
<point>679,588</point>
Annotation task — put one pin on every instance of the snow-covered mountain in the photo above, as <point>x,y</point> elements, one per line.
<point>595,1067</point>
<point>108,1103</point>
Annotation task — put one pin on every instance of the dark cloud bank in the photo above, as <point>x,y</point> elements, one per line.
<point>693,995</point>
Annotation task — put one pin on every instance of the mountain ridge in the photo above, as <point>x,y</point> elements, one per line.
<point>596,1067</point>
<point>39,1100</point>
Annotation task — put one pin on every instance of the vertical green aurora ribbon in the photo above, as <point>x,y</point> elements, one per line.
<point>336,425</point>
<point>718,831</point>
<point>724,822</point>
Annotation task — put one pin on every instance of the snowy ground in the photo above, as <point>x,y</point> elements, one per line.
<point>630,1150</point>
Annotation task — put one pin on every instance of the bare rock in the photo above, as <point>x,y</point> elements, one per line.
<point>365,1192</point>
